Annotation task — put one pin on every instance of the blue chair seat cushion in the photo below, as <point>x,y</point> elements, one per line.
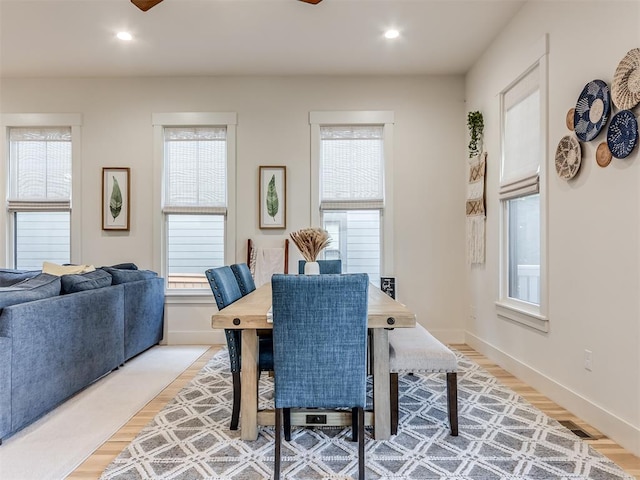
<point>85,281</point>
<point>126,275</point>
<point>41,286</point>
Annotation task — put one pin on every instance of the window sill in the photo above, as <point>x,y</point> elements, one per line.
<point>192,295</point>
<point>519,313</point>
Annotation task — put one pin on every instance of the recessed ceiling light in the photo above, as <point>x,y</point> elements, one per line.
<point>126,36</point>
<point>391,34</point>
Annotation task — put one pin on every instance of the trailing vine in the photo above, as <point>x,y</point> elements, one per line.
<point>475,122</point>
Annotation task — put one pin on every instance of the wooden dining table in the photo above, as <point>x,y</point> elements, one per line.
<point>249,314</point>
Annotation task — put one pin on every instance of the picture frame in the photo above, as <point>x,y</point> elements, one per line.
<point>116,195</point>
<point>272,198</point>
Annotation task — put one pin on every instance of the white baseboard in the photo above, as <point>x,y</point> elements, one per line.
<point>213,337</point>
<point>448,337</point>
<point>617,429</point>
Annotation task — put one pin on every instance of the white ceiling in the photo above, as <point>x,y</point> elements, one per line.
<point>41,38</point>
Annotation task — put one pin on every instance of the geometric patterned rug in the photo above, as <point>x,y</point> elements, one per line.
<point>501,436</point>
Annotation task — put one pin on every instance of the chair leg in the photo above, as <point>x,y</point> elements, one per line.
<point>361,443</point>
<point>369,354</point>
<point>452,401</point>
<point>276,463</point>
<point>354,424</point>
<point>395,409</point>
<point>286,412</point>
<point>237,393</point>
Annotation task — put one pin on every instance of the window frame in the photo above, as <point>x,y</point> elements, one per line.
<point>385,118</point>
<point>192,119</point>
<point>7,219</point>
<point>521,312</point>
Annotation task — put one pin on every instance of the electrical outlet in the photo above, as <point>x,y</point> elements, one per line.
<point>588,360</point>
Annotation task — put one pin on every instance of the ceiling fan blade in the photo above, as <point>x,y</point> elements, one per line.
<point>145,5</point>
<point>313,2</point>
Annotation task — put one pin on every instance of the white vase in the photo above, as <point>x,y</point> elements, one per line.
<point>311,268</point>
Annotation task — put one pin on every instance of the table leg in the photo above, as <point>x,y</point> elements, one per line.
<point>381,385</point>
<point>249,398</point>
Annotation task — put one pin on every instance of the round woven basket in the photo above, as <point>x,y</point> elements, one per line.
<point>625,89</point>
<point>569,119</point>
<point>603,155</point>
<point>568,157</point>
<point>592,110</point>
<point>622,134</point>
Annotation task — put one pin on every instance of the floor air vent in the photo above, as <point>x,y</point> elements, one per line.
<point>575,429</point>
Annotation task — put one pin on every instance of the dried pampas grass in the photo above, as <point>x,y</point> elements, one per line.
<point>310,242</point>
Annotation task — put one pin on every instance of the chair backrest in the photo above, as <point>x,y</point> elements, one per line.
<point>226,291</point>
<point>320,340</point>
<point>243,277</point>
<point>264,262</point>
<point>223,285</point>
<point>326,266</point>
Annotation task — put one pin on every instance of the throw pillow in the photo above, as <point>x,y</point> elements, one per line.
<point>10,276</point>
<point>125,276</point>
<point>85,281</point>
<point>36,288</point>
<point>55,269</point>
<point>125,266</point>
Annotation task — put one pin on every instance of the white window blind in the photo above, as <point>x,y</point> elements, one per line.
<point>351,167</point>
<point>195,169</point>
<point>39,169</point>
<point>522,137</point>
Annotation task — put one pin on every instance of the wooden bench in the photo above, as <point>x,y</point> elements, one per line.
<point>415,350</point>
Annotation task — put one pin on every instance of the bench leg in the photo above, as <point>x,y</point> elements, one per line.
<point>395,409</point>
<point>452,401</point>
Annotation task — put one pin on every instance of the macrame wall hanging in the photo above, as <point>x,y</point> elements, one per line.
<point>476,217</point>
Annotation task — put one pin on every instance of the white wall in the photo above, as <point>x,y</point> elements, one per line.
<point>273,129</point>
<point>593,224</point>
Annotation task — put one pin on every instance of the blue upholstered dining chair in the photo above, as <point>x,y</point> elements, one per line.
<point>243,278</point>
<point>326,266</point>
<point>320,348</point>
<point>226,291</point>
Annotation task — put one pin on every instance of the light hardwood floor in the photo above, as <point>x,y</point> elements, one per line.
<point>98,461</point>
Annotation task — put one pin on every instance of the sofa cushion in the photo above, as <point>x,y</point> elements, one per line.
<point>10,276</point>
<point>85,281</point>
<point>41,286</point>
<point>55,269</point>
<point>125,276</point>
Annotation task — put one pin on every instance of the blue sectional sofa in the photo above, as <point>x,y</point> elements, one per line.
<point>60,334</point>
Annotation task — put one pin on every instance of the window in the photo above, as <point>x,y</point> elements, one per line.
<point>351,160</point>
<point>39,195</point>
<point>522,198</point>
<point>197,159</point>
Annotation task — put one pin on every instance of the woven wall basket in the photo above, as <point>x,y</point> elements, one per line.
<point>625,90</point>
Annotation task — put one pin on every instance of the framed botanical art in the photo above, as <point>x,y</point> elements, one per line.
<point>273,197</point>
<point>115,198</point>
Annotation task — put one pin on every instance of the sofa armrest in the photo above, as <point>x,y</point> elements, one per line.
<point>143,315</point>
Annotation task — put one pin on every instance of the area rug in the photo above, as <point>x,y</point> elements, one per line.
<point>501,437</point>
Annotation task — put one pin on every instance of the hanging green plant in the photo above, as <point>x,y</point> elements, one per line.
<point>475,122</point>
